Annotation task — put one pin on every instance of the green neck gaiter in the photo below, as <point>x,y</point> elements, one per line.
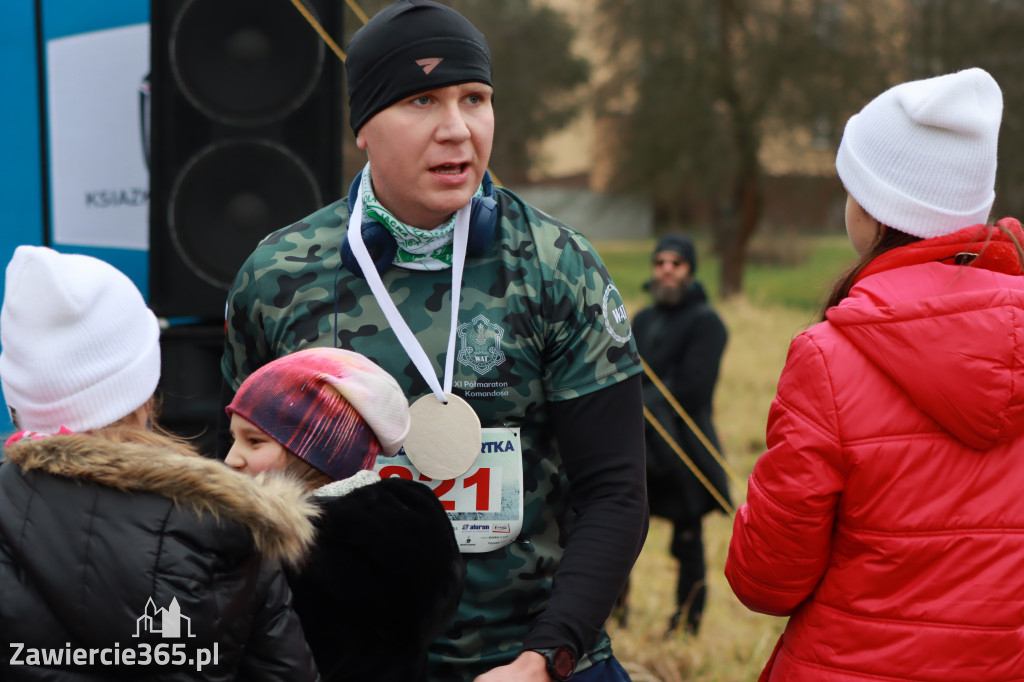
<point>418,249</point>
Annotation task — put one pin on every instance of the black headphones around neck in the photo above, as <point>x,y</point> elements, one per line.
<point>483,219</point>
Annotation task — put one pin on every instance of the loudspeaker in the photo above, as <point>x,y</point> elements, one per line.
<point>190,382</point>
<point>245,138</point>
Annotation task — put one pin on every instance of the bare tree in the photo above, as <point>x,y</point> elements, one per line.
<point>537,78</point>
<point>698,83</point>
<point>949,35</point>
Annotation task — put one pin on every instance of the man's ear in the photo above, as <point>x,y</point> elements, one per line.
<point>360,141</point>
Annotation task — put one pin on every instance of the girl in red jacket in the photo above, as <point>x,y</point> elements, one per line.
<point>886,518</point>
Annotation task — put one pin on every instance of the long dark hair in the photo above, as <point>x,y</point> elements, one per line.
<point>887,240</point>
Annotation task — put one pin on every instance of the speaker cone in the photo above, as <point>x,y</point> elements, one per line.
<point>229,196</point>
<point>243,62</point>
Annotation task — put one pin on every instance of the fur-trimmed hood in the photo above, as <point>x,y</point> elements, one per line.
<point>276,509</point>
<point>103,535</point>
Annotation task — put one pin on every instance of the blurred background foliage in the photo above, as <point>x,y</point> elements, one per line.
<point>725,114</point>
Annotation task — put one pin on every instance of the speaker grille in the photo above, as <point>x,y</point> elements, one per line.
<point>246,138</point>
<point>242,62</point>
<point>231,195</point>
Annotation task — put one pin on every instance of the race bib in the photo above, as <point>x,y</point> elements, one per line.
<point>485,504</point>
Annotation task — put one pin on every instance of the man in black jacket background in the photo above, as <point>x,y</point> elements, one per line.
<point>682,339</point>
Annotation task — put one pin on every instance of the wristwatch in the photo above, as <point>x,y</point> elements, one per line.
<point>561,662</point>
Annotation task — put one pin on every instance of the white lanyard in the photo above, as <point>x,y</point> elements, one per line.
<point>405,336</point>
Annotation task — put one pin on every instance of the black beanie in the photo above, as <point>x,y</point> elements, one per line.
<point>680,245</point>
<point>409,47</point>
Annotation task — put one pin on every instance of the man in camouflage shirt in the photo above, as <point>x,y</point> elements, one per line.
<point>543,344</point>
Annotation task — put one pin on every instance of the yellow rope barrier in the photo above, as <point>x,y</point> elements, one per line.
<point>358,11</point>
<point>689,422</point>
<point>689,463</point>
<point>319,29</point>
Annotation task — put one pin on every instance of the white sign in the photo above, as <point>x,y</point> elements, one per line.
<point>98,116</point>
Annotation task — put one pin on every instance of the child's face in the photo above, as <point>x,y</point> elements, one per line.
<point>253,451</point>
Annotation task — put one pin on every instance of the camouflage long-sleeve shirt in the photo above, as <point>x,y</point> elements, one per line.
<point>540,320</point>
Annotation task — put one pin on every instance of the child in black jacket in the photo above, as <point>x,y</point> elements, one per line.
<point>385,574</point>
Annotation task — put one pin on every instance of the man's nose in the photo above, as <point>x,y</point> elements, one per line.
<point>453,124</point>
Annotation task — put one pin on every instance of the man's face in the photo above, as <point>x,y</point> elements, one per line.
<point>428,152</point>
<point>670,270</point>
<point>670,278</point>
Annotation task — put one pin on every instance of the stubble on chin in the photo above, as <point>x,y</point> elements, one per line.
<point>667,294</point>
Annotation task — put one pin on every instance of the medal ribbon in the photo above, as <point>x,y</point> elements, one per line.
<point>401,328</point>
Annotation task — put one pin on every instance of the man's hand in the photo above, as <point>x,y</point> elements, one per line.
<point>529,666</point>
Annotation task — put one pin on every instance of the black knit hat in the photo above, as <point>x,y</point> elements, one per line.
<point>680,245</point>
<point>409,47</point>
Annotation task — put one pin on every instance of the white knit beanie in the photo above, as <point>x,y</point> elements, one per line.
<point>78,345</point>
<point>921,157</point>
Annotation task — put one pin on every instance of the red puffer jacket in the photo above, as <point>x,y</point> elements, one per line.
<point>887,516</point>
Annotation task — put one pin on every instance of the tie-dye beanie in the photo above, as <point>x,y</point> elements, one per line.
<point>333,408</point>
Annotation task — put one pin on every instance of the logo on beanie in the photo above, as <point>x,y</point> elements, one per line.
<point>481,345</point>
<point>429,63</point>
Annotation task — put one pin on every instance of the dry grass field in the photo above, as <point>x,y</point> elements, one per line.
<point>733,643</point>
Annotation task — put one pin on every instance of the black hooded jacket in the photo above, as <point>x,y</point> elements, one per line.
<point>97,539</point>
<point>382,582</point>
<point>683,346</point>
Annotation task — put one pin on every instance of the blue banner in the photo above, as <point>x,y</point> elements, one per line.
<point>28,191</point>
